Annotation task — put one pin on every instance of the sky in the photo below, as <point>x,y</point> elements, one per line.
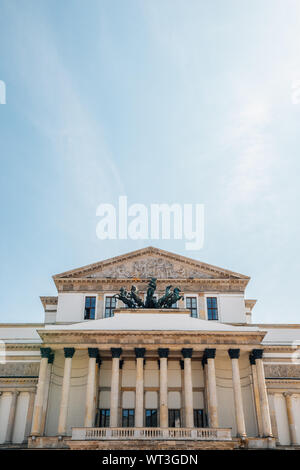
<point>164,101</point>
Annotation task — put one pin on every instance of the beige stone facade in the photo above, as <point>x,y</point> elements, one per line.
<point>197,376</point>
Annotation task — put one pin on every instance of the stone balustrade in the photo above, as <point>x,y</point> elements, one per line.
<point>196,434</point>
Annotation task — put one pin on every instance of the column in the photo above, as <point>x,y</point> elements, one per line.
<point>39,398</point>
<point>90,388</point>
<point>210,355</point>
<point>29,415</point>
<point>291,417</point>
<point>188,387</point>
<point>264,404</point>
<point>114,389</point>
<point>63,412</point>
<point>234,355</point>
<point>46,393</point>
<point>11,417</point>
<point>139,387</point>
<point>272,399</point>
<point>256,395</point>
<point>182,410</point>
<point>163,376</point>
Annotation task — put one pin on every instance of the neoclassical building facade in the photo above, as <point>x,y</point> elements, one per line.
<point>99,375</point>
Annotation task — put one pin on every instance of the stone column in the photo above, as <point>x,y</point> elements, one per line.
<point>182,410</point>
<point>139,387</point>
<point>114,389</point>
<point>63,412</point>
<point>291,417</point>
<point>234,355</point>
<point>39,398</point>
<point>272,398</point>
<point>90,388</point>
<point>11,417</point>
<point>46,393</point>
<point>210,355</point>
<point>29,415</point>
<point>264,404</point>
<point>163,396</point>
<point>256,395</point>
<point>188,387</point>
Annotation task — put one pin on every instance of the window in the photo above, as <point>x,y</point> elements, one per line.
<point>151,418</point>
<point>110,305</point>
<point>199,419</point>
<point>212,308</point>
<point>90,306</point>
<point>127,418</point>
<point>174,419</point>
<point>191,303</point>
<point>103,418</point>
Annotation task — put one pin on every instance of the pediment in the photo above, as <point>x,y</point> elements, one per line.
<point>150,262</point>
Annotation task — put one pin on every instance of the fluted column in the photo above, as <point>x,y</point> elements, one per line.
<point>114,389</point>
<point>264,404</point>
<point>139,387</point>
<point>39,398</point>
<point>90,388</point>
<point>46,393</point>
<point>65,392</point>
<point>188,387</point>
<point>291,417</point>
<point>210,355</point>
<point>29,415</point>
<point>234,355</point>
<point>11,417</point>
<point>256,395</point>
<point>163,376</point>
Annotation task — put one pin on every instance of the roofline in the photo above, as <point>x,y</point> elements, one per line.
<point>149,249</point>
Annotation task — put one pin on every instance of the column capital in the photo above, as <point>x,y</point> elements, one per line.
<point>163,352</point>
<point>187,352</point>
<point>45,353</point>
<point>69,352</point>
<point>204,361</point>
<point>234,353</point>
<point>287,394</point>
<point>139,352</point>
<point>210,353</point>
<point>252,359</point>
<point>51,358</point>
<point>93,353</point>
<point>257,353</point>
<point>116,352</point>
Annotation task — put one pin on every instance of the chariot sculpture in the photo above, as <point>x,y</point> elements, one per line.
<point>132,299</point>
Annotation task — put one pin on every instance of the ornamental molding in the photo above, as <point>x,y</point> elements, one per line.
<point>145,263</point>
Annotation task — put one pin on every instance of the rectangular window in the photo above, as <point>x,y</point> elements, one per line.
<point>103,418</point>
<point>191,303</point>
<point>174,419</point>
<point>110,305</point>
<point>199,419</point>
<point>212,308</point>
<point>90,307</point>
<point>151,418</point>
<point>128,418</point>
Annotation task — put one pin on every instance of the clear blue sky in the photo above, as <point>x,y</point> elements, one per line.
<point>162,101</point>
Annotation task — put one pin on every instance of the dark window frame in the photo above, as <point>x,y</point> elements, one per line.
<point>103,418</point>
<point>199,418</point>
<point>174,417</point>
<point>151,418</point>
<point>212,308</point>
<point>90,307</point>
<point>128,417</point>
<point>110,306</point>
<point>191,307</point>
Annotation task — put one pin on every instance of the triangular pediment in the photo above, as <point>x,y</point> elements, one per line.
<point>150,262</point>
